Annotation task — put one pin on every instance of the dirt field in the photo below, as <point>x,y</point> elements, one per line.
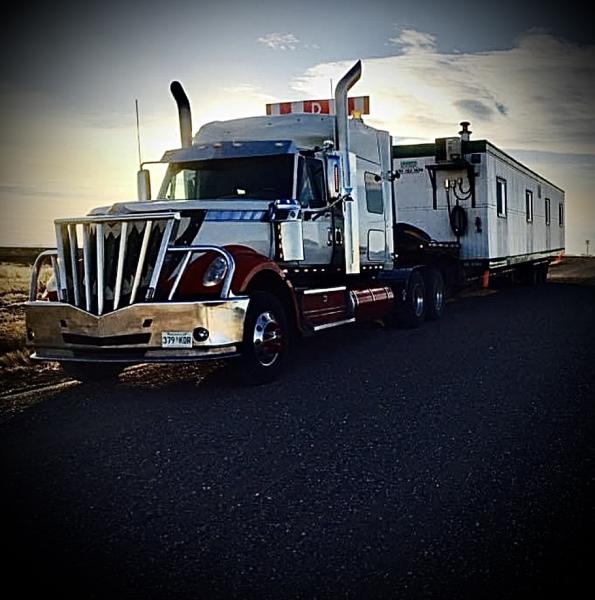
<point>574,269</point>
<point>16,369</point>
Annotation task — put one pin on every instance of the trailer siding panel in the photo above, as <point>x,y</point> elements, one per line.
<point>414,200</point>
<point>513,235</point>
<point>500,236</point>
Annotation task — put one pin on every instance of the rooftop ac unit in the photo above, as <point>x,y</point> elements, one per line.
<point>448,149</point>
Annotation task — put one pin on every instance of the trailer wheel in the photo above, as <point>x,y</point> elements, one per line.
<point>265,345</point>
<point>434,285</point>
<point>535,274</point>
<point>413,310</point>
<point>92,372</point>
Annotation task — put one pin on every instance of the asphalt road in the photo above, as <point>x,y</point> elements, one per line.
<point>453,461</point>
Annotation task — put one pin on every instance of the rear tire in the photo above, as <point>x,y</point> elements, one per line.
<point>533,274</point>
<point>413,311</point>
<point>92,372</point>
<point>265,346</point>
<point>434,285</point>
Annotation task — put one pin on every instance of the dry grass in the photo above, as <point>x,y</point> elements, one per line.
<point>14,287</point>
<point>15,358</point>
<point>14,283</point>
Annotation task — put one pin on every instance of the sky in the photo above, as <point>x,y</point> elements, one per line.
<point>522,73</point>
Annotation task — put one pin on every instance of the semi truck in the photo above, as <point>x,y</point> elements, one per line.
<point>271,227</point>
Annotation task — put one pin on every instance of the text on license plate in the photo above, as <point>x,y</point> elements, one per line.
<point>176,339</point>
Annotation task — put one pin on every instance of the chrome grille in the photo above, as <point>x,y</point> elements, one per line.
<point>120,260</point>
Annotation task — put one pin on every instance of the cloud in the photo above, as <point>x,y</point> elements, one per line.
<point>280,41</point>
<point>412,40</point>
<point>248,89</point>
<point>502,109</point>
<point>475,108</point>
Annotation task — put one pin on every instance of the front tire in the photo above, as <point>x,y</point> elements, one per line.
<point>92,372</point>
<point>265,344</point>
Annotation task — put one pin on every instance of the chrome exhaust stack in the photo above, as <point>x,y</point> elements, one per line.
<point>351,220</point>
<point>342,119</point>
<point>184,113</point>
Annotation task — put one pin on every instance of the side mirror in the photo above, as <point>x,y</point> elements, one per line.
<point>333,177</point>
<point>143,185</point>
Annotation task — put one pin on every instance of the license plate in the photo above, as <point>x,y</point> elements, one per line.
<point>176,339</point>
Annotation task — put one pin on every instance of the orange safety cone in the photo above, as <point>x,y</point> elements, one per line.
<point>485,279</point>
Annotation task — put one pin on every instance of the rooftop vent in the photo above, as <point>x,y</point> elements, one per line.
<point>465,132</point>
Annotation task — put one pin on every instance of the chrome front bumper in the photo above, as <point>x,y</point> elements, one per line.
<point>59,331</point>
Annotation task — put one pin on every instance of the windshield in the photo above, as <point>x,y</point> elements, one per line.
<point>254,177</point>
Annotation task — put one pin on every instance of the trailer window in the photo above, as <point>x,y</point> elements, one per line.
<point>311,188</point>
<point>529,205</point>
<point>501,199</point>
<point>374,201</point>
<point>561,214</point>
<point>548,216</point>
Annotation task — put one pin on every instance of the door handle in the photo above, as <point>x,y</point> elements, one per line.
<point>329,236</point>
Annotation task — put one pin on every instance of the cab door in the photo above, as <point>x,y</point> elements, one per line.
<point>371,214</point>
<point>317,222</point>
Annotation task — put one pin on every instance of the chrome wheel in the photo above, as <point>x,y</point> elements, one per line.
<point>435,295</point>
<point>438,299</point>
<point>267,339</point>
<point>418,300</point>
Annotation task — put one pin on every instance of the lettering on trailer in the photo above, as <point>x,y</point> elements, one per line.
<point>410,167</point>
<point>359,104</point>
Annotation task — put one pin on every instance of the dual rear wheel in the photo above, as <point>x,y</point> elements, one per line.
<point>424,298</point>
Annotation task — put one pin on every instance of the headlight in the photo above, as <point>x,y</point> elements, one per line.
<point>215,272</point>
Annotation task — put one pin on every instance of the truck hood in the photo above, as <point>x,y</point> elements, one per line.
<point>210,222</point>
<point>135,207</point>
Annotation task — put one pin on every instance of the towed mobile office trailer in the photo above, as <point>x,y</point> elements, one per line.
<point>509,215</point>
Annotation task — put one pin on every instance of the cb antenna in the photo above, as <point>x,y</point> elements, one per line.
<point>140,161</point>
